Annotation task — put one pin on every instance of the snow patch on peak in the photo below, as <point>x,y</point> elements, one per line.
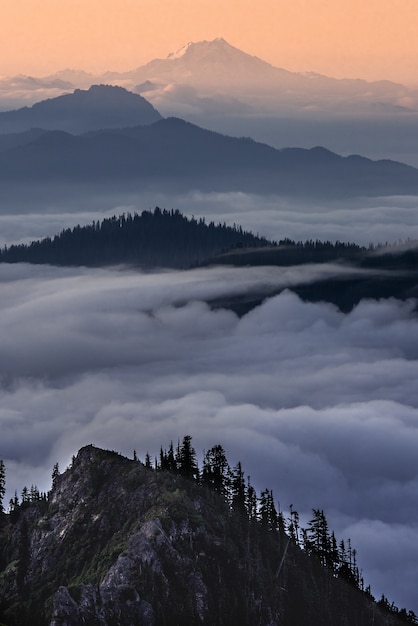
<point>180,52</point>
<point>219,42</point>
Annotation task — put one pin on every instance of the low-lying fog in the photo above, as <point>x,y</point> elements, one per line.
<point>360,220</point>
<point>320,406</point>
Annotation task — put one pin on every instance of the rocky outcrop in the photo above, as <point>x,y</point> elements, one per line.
<point>98,607</point>
<point>116,543</point>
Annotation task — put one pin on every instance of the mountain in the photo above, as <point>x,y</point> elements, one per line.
<point>153,239</point>
<point>118,542</point>
<point>174,154</point>
<point>210,65</point>
<point>217,71</point>
<point>101,106</point>
<point>217,65</point>
<point>216,85</point>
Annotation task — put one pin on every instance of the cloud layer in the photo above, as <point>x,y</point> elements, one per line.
<point>362,221</point>
<point>320,406</point>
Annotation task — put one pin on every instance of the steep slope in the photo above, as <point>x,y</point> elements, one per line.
<point>101,106</point>
<point>116,542</point>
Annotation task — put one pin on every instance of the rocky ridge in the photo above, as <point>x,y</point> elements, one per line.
<point>116,542</point>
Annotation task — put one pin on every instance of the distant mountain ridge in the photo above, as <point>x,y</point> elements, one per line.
<point>216,85</point>
<point>174,154</point>
<point>217,62</point>
<point>101,106</point>
<point>216,67</point>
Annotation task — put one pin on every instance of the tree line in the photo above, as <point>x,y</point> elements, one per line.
<point>256,511</point>
<point>316,539</point>
<point>159,238</point>
<point>167,238</point>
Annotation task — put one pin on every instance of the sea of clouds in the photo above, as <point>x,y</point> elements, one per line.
<point>320,406</point>
<point>360,220</point>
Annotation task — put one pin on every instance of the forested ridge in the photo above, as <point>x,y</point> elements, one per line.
<point>167,238</point>
<point>166,542</point>
<point>159,238</point>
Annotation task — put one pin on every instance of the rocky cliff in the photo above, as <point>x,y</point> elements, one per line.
<point>118,543</point>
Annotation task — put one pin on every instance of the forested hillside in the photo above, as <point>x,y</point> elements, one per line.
<point>158,238</point>
<point>166,543</point>
<point>167,239</point>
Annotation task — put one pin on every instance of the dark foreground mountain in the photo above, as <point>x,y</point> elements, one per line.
<point>101,106</point>
<point>117,542</point>
<point>172,154</point>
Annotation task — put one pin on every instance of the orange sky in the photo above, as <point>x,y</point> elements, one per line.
<point>359,38</point>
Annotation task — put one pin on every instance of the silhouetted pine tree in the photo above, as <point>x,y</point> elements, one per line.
<point>186,459</point>
<point>238,490</point>
<point>215,470</point>
<point>2,484</point>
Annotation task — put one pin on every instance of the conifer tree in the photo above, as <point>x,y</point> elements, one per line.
<point>216,469</point>
<point>34,495</point>
<point>238,489</point>
<point>268,513</point>
<point>251,501</point>
<point>186,460</point>
<point>25,495</point>
<point>163,460</point>
<point>148,463</point>
<point>14,502</point>
<point>2,484</point>
<point>318,536</point>
<point>55,474</point>
<point>334,552</point>
<point>171,460</point>
<point>293,526</point>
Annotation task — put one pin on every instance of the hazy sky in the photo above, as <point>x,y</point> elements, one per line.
<point>371,39</point>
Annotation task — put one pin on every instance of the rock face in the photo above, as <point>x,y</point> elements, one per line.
<point>118,543</point>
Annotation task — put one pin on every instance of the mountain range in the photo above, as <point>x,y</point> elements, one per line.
<point>173,154</point>
<point>215,85</point>
<point>204,72</point>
